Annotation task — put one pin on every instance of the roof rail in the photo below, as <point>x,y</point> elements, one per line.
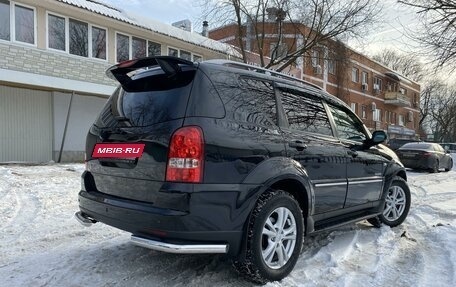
<point>262,71</point>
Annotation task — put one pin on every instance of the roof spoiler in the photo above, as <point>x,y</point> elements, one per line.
<point>170,65</point>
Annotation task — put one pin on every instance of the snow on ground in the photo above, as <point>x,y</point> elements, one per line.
<point>41,244</point>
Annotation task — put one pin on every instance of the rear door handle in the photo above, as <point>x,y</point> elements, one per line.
<point>353,153</point>
<point>299,145</point>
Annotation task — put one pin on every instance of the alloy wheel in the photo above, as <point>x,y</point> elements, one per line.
<point>395,203</point>
<point>278,238</point>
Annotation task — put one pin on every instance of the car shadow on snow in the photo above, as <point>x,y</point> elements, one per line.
<point>136,266</point>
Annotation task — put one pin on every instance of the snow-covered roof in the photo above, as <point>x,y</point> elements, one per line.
<point>105,9</point>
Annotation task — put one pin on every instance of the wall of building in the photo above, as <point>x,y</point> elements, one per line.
<point>82,114</point>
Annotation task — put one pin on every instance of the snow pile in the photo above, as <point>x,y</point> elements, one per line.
<point>41,244</point>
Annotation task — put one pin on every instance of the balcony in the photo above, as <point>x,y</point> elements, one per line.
<point>397,99</point>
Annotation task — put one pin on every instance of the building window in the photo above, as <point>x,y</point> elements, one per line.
<point>197,58</point>
<point>154,49</point>
<point>377,115</point>
<point>173,52</point>
<point>79,38</point>
<point>363,112</point>
<point>139,49</point>
<point>98,43</point>
<point>332,67</point>
<point>401,120</point>
<point>315,58</point>
<point>186,55</point>
<point>17,23</point>
<point>353,107</point>
<point>364,78</point>
<point>24,24</point>
<point>76,37</point>
<point>122,47</point>
<point>377,84</point>
<point>56,32</point>
<point>355,75</point>
<point>5,20</point>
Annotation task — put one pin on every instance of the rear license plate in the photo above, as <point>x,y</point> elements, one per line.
<point>409,154</point>
<point>118,150</point>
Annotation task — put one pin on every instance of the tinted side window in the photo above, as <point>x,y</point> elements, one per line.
<point>347,125</point>
<point>246,99</point>
<point>305,113</point>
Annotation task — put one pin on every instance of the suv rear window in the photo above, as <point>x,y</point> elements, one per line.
<point>151,97</point>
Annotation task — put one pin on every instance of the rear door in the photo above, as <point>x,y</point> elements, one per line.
<point>145,110</point>
<point>365,166</point>
<point>310,142</point>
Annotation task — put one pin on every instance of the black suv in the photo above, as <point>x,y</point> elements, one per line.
<point>223,157</point>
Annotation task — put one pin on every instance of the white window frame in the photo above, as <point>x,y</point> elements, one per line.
<point>353,107</point>
<point>364,111</point>
<point>378,81</point>
<point>130,44</point>
<point>67,37</point>
<point>366,79</point>
<point>179,52</point>
<point>174,48</point>
<point>401,120</point>
<point>376,115</point>
<point>197,55</point>
<point>356,79</point>
<point>67,31</point>
<point>315,59</point>
<point>150,41</point>
<point>91,44</point>
<point>191,54</point>
<point>332,67</point>
<point>13,5</point>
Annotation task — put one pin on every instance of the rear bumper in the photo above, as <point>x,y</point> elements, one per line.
<point>213,223</point>
<point>424,163</point>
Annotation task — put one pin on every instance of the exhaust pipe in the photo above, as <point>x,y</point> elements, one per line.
<point>84,219</point>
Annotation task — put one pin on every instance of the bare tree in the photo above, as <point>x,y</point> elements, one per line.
<point>438,110</point>
<point>408,65</point>
<point>438,32</point>
<point>312,23</point>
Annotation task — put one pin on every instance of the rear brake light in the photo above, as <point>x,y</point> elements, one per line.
<point>427,154</point>
<point>185,155</point>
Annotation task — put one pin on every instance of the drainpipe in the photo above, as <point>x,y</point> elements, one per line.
<point>66,127</point>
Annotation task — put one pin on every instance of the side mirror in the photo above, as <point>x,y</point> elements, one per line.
<point>377,138</point>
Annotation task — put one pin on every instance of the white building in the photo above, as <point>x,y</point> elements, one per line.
<point>53,57</point>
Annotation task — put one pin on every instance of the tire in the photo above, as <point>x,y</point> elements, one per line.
<point>397,203</point>
<point>450,166</point>
<point>435,167</point>
<point>274,266</point>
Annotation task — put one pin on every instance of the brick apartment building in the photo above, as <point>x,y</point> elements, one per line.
<point>380,96</point>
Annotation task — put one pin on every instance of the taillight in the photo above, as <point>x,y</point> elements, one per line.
<point>427,154</point>
<point>186,155</point>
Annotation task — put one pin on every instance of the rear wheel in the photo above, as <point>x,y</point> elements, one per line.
<point>450,166</point>
<point>275,236</point>
<point>435,167</point>
<point>397,203</point>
